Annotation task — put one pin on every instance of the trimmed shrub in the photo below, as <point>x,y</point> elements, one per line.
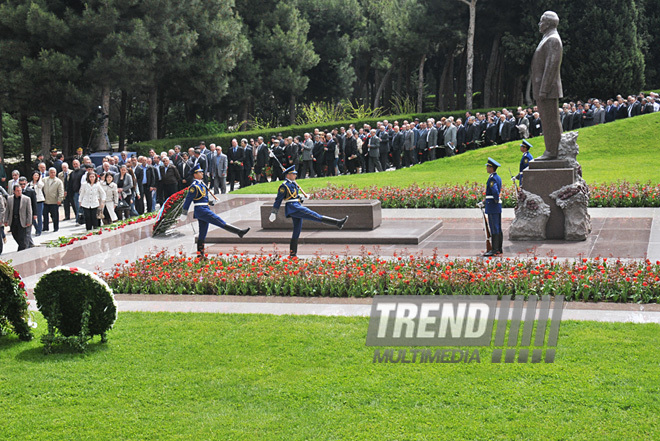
<point>77,306</point>
<point>14,315</point>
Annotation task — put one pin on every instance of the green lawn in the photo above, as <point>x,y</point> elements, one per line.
<point>214,376</point>
<point>625,149</point>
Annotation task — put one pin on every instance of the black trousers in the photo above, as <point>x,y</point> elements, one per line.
<point>67,207</point>
<point>53,211</point>
<point>91,220</point>
<point>18,232</point>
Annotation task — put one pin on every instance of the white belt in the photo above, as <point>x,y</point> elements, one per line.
<point>201,203</point>
<point>291,200</point>
<point>490,197</point>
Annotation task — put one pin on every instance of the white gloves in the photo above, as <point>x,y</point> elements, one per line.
<point>272,217</point>
<point>513,178</point>
<point>480,204</point>
<point>183,217</point>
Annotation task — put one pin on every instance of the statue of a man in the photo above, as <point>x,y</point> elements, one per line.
<point>546,82</point>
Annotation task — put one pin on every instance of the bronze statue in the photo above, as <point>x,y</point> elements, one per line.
<point>546,82</point>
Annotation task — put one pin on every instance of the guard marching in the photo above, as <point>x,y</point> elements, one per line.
<point>524,161</point>
<point>292,195</point>
<point>493,206</point>
<point>198,196</point>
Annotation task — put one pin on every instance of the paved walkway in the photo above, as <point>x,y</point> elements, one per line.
<point>618,232</point>
<point>599,312</point>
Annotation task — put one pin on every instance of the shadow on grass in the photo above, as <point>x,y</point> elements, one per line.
<point>60,352</point>
<point>9,341</point>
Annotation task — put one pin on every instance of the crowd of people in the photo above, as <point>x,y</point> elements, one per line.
<point>127,185</point>
<point>399,144</point>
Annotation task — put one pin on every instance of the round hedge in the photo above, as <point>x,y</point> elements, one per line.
<point>64,294</point>
<point>13,303</point>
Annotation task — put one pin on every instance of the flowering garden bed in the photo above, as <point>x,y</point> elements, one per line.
<point>598,279</point>
<point>615,194</point>
<point>63,241</point>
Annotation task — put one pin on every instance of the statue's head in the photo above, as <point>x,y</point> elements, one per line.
<point>549,20</point>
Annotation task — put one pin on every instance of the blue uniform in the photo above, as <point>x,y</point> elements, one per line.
<point>493,204</point>
<point>524,163</point>
<point>198,196</point>
<point>289,194</point>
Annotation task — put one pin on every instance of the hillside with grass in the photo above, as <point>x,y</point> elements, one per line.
<point>627,149</point>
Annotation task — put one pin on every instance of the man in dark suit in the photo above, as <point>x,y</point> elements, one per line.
<point>421,146</point>
<point>587,116</point>
<point>248,163</point>
<point>491,131</point>
<point>537,126</point>
<point>431,139</point>
<point>235,157</point>
<point>634,107</point>
<point>261,162</point>
<point>611,110</point>
<point>460,136</point>
<point>397,147</point>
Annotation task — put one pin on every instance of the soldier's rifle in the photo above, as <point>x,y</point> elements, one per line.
<point>489,244</point>
<point>272,155</point>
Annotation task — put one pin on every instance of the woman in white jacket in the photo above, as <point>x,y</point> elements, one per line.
<point>91,198</point>
<point>37,185</point>
<point>111,198</point>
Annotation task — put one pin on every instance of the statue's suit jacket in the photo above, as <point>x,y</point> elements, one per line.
<point>546,65</point>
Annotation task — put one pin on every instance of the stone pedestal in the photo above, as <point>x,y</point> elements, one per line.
<point>543,178</point>
<point>363,214</point>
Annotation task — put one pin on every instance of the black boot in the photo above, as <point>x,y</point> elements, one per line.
<point>491,252</point>
<point>200,250</point>
<point>500,239</point>
<point>339,223</point>
<point>232,229</point>
<point>293,248</point>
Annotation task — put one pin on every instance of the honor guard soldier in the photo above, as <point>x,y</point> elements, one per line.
<point>292,195</point>
<point>524,161</point>
<point>493,206</point>
<point>198,196</point>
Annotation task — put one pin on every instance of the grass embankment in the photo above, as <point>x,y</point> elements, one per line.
<point>625,149</point>
<point>214,376</point>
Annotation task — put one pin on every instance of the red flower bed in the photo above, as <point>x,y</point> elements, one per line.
<point>606,280</point>
<point>616,194</point>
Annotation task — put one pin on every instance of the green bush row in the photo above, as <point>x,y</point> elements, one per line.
<point>224,139</point>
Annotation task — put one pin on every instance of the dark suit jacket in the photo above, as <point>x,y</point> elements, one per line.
<point>262,156</point>
<point>611,114</point>
<point>236,156</point>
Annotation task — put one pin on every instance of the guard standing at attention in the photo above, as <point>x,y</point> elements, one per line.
<point>292,195</point>
<point>524,161</point>
<point>493,206</point>
<point>198,196</point>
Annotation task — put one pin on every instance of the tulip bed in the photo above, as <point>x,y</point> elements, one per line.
<point>615,194</point>
<point>598,279</point>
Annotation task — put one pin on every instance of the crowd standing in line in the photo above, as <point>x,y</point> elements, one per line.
<point>124,186</point>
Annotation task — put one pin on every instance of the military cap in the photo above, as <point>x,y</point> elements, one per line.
<point>291,169</point>
<point>526,144</point>
<point>493,163</point>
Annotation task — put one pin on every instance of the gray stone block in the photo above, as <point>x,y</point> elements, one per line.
<point>543,182</point>
<point>363,214</point>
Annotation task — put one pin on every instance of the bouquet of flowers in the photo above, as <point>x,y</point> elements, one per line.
<point>169,213</point>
